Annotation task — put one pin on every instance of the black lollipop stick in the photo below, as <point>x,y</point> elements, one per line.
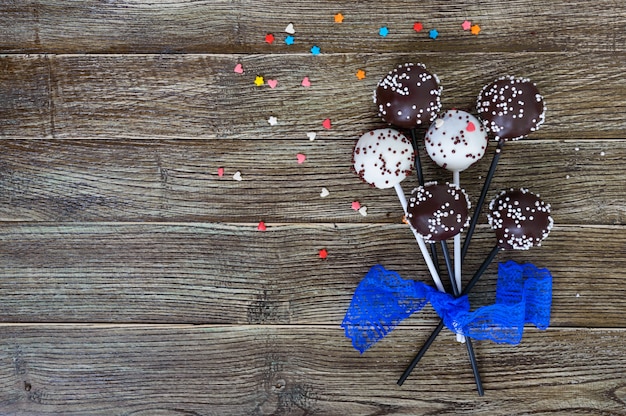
<point>439,327</point>
<point>468,341</point>
<point>481,199</point>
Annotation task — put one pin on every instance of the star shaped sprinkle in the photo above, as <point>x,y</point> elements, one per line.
<point>417,26</point>
<point>272,121</point>
<point>475,30</point>
<point>360,74</point>
<point>338,18</point>
<point>315,50</point>
<point>323,253</point>
<point>383,31</point>
<point>289,40</point>
<point>258,81</point>
<point>466,25</point>
<point>269,38</point>
<point>433,33</point>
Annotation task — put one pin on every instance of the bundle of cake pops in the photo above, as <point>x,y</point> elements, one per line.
<point>509,108</point>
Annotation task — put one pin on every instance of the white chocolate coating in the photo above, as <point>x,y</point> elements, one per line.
<point>383,157</point>
<point>456,140</point>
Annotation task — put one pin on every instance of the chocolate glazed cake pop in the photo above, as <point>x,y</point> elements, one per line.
<point>383,157</point>
<point>456,140</point>
<point>520,219</point>
<point>438,212</point>
<point>511,108</point>
<point>408,96</point>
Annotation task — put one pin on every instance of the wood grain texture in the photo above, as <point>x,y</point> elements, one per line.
<point>234,274</point>
<point>117,180</point>
<point>300,371</point>
<point>200,96</point>
<point>216,26</point>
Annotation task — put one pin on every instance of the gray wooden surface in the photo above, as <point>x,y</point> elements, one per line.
<point>134,280</point>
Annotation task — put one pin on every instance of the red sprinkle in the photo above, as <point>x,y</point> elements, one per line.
<point>261,226</point>
<point>323,254</point>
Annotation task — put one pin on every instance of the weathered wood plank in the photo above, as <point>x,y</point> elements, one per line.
<point>219,273</point>
<point>169,26</point>
<point>300,370</point>
<point>120,180</point>
<point>25,99</point>
<point>200,96</point>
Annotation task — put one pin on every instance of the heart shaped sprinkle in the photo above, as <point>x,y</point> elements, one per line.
<point>363,210</point>
<point>301,158</point>
<point>439,122</point>
<point>470,127</point>
<point>311,135</point>
<point>237,176</point>
<point>326,124</point>
<point>325,192</point>
<point>238,69</point>
<point>220,172</point>
<point>289,29</point>
<point>306,82</point>
<point>272,83</point>
<point>356,205</point>
<point>261,226</point>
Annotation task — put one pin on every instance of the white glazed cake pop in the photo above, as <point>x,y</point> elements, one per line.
<point>383,157</point>
<point>456,140</point>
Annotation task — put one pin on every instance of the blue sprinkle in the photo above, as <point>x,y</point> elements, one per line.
<point>315,50</point>
<point>433,34</point>
<point>289,40</point>
<point>383,31</point>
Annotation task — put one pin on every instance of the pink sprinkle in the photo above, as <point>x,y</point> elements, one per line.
<point>301,158</point>
<point>470,127</point>
<point>306,82</point>
<point>239,69</point>
<point>326,123</point>
<point>466,25</point>
<point>272,83</point>
<point>220,172</point>
<point>261,226</point>
<point>356,205</point>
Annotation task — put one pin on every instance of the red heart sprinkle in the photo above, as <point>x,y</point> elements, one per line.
<point>470,127</point>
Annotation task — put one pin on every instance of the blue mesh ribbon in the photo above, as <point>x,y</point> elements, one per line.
<point>383,299</point>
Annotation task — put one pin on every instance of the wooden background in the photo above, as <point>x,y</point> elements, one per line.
<point>134,281</point>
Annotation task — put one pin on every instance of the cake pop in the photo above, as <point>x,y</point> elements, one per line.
<point>520,220</point>
<point>456,140</point>
<point>438,212</point>
<point>383,158</point>
<point>408,96</point>
<point>510,108</point>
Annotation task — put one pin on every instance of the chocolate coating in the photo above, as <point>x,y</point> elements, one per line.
<point>520,219</point>
<point>408,96</point>
<point>383,157</point>
<point>511,108</point>
<point>438,212</point>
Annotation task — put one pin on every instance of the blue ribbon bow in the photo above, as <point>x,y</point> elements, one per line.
<point>383,299</point>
